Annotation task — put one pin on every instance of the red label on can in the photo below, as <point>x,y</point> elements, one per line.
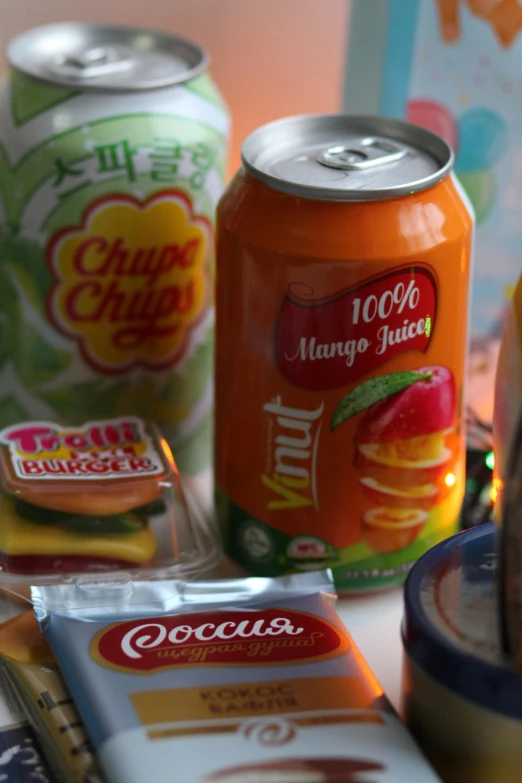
<point>269,636</point>
<point>330,342</point>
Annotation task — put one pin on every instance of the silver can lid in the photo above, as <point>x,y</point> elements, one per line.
<point>342,158</point>
<point>105,58</point>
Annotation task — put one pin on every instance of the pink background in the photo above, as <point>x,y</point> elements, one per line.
<point>271,58</point>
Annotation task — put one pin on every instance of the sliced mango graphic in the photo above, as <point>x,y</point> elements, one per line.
<point>394,519</point>
<point>423,496</point>
<point>425,447</point>
<point>400,472</point>
<point>386,530</point>
<point>406,467</point>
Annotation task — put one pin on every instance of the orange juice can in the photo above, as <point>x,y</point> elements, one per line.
<point>343,270</point>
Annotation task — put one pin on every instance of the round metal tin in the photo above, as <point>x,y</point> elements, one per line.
<point>451,624</point>
<point>105,58</point>
<point>343,158</point>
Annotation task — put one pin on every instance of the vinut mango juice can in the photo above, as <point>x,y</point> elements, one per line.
<point>343,265</point>
<point>112,159</point>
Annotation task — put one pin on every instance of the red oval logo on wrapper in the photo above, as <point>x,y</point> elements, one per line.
<point>270,636</point>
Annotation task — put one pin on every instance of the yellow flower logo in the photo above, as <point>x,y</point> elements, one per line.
<point>132,281</point>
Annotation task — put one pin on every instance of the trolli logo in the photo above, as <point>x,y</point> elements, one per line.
<point>111,448</point>
<point>269,636</point>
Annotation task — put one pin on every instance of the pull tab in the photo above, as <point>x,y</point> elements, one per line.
<point>367,153</point>
<point>93,63</point>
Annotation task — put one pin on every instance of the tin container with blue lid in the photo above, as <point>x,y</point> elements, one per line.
<point>462,698</point>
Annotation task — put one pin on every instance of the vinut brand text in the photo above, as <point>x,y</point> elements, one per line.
<point>293,436</point>
<point>226,637</point>
<point>330,342</point>
<point>132,281</point>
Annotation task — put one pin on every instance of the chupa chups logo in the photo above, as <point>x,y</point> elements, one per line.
<point>132,281</point>
<point>268,636</point>
<point>330,342</point>
<point>113,448</point>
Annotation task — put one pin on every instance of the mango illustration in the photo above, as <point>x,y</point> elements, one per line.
<point>387,530</point>
<point>400,447</point>
<point>401,450</point>
<point>425,496</point>
<point>400,441</point>
<point>425,407</point>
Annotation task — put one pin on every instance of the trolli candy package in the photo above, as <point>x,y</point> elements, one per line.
<point>100,498</point>
<point>242,681</point>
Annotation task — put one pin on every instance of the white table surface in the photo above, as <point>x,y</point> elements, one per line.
<point>374,623</point>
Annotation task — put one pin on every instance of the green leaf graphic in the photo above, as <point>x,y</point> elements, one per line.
<point>8,311</point>
<point>83,401</point>
<point>195,453</point>
<point>184,389</point>
<point>372,391</point>
<point>11,412</point>
<point>26,261</point>
<point>34,359</point>
<point>31,98</point>
<point>204,86</point>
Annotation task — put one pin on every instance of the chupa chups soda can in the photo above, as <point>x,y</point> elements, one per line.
<point>462,698</point>
<point>238,681</point>
<point>343,265</point>
<point>112,158</point>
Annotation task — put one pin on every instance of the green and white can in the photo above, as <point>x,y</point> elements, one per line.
<point>113,146</point>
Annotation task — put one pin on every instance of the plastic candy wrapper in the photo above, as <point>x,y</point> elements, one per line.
<point>29,666</point>
<point>21,760</point>
<point>232,682</point>
<point>103,497</point>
